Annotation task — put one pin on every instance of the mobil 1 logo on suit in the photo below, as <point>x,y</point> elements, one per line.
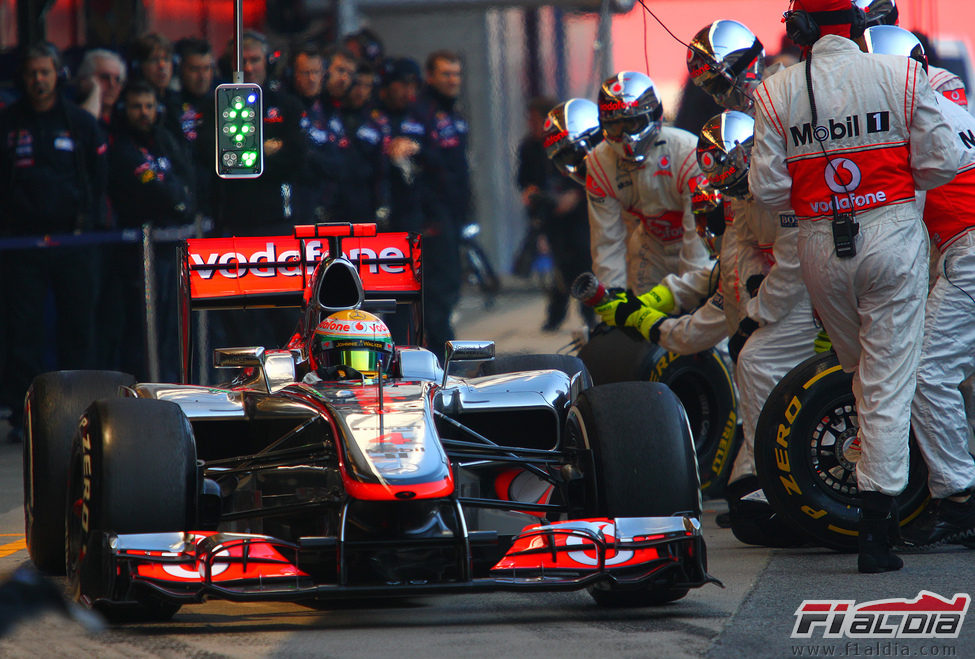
<point>853,125</point>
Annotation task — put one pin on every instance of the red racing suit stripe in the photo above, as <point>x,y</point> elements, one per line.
<point>948,208</point>
<point>860,179</point>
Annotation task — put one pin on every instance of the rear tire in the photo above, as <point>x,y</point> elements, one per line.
<point>803,460</point>
<point>701,382</point>
<point>54,405</point>
<point>142,460</point>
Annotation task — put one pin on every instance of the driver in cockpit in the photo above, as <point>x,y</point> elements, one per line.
<point>349,345</point>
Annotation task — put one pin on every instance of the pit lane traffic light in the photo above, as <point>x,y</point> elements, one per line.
<point>240,135</point>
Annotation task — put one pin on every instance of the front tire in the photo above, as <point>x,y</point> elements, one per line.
<point>701,382</point>
<point>805,454</point>
<point>643,465</point>
<point>53,407</point>
<point>139,476</point>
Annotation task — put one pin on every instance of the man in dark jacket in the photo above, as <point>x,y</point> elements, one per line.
<point>195,107</point>
<point>449,175</point>
<point>407,145</point>
<point>315,185</point>
<point>52,168</point>
<point>150,181</point>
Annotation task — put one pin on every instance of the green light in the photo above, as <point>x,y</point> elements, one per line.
<point>232,115</point>
<point>244,128</point>
<point>238,137</point>
<point>233,129</point>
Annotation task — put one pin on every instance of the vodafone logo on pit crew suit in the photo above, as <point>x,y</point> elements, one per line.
<point>842,175</point>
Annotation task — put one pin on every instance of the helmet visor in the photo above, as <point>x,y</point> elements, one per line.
<point>570,158</point>
<point>363,361</point>
<point>367,362</point>
<point>615,129</point>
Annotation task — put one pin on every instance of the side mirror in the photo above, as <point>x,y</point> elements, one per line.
<point>274,369</point>
<point>466,351</point>
<point>238,357</point>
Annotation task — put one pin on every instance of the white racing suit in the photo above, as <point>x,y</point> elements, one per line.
<point>948,85</point>
<point>640,222</point>
<point>948,350</point>
<point>782,309</point>
<point>879,121</point>
<point>706,324</point>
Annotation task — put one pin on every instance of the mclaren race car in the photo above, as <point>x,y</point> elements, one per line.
<point>283,484</point>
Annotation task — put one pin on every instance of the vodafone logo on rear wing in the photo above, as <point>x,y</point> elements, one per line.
<point>274,262</point>
<point>232,267</point>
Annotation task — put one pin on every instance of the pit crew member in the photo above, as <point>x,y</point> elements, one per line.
<point>847,159</point>
<point>776,330</point>
<point>938,416</point>
<point>639,185</point>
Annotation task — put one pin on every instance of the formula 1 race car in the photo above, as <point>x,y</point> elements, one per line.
<point>285,485</point>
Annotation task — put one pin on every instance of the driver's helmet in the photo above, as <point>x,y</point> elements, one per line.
<point>893,40</point>
<point>570,133</point>
<point>724,151</point>
<point>629,114</point>
<point>727,60</point>
<point>353,339</point>
<point>878,12</point>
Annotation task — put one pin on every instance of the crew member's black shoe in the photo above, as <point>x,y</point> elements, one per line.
<point>874,538</point>
<point>754,522</point>
<point>945,521</point>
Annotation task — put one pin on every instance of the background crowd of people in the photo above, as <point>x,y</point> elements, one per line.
<point>117,140</point>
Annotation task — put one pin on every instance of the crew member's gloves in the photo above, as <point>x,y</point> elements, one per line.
<point>607,308</point>
<point>822,343</point>
<point>647,321</point>
<point>737,341</point>
<point>618,306</point>
<point>660,298</point>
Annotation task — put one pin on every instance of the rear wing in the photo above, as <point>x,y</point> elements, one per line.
<point>276,271</point>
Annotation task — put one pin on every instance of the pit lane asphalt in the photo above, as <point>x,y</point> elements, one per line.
<point>752,617</point>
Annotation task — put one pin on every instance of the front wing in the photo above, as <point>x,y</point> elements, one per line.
<point>633,552</point>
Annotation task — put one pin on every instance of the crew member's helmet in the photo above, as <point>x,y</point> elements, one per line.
<point>571,132</point>
<point>878,12</point>
<point>724,151</point>
<point>629,114</point>
<point>353,339</point>
<point>893,40</point>
<point>727,60</point>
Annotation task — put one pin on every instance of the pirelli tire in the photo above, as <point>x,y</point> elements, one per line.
<point>701,381</point>
<point>642,465</point>
<point>568,364</point>
<point>53,405</point>
<point>132,470</point>
<point>805,457</point>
